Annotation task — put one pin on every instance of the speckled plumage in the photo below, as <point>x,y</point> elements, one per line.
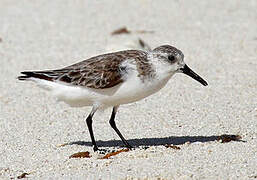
<point>99,72</point>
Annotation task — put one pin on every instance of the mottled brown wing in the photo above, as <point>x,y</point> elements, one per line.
<point>99,72</point>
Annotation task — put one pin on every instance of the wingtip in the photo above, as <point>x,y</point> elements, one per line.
<point>25,75</point>
<point>22,78</point>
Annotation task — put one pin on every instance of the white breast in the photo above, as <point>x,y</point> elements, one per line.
<point>134,89</point>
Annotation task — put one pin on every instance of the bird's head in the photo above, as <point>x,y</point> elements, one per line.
<point>174,60</point>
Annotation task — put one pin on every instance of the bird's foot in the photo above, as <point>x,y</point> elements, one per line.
<point>100,151</point>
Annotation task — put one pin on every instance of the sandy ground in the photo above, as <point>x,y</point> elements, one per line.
<point>219,40</point>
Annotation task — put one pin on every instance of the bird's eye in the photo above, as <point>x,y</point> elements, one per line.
<point>171,58</point>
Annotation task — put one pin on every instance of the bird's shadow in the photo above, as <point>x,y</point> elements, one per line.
<point>175,140</point>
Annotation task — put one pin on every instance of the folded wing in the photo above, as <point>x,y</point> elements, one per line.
<point>99,72</point>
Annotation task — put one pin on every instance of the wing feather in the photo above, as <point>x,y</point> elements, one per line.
<point>98,72</point>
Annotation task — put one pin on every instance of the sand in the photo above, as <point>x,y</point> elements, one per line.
<point>219,41</point>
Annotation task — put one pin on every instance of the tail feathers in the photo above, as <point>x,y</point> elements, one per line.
<point>34,74</point>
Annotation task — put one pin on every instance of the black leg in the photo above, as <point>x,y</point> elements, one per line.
<point>89,125</point>
<point>113,125</point>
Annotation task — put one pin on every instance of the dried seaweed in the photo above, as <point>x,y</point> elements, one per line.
<point>81,155</point>
<point>114,153</point>
<point>122,30</point>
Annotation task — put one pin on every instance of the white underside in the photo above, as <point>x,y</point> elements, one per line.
<point>131,90</point>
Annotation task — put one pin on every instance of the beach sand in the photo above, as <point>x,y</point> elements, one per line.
<point>219,41</point>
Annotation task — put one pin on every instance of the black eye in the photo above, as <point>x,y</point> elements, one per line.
<point>171,58</point>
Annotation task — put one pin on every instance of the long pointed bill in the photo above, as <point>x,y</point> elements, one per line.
<point>186,70</point>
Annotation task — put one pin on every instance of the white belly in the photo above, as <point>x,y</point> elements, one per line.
<point>134,90</point>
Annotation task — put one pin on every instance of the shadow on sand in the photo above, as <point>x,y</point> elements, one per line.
<point>175,140</point>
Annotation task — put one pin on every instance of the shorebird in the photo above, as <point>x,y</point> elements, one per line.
<point>113,79</point>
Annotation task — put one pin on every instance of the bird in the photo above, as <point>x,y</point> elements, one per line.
<point>112,79</point>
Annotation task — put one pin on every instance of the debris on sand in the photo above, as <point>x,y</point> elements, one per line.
<point>114,153</point>
<point>81,155</point>
<point>122,30</point>
<point>144,45</point>
<point>23,175</point>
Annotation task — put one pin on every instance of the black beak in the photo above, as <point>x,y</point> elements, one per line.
<point>186,70</point>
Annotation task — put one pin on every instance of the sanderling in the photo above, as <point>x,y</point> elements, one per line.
<point>110,80</point>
